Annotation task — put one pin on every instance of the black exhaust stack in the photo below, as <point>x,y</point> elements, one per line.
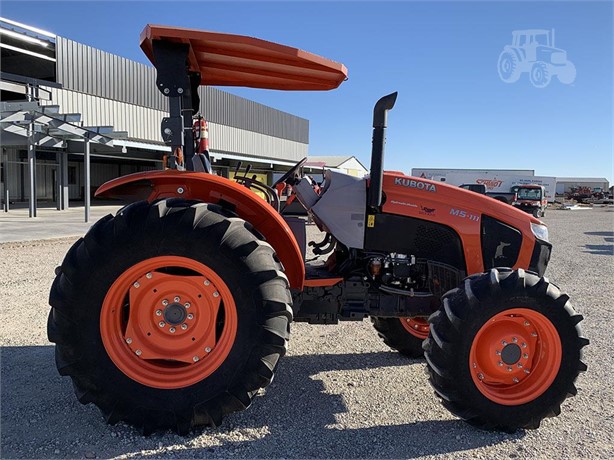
<point>380,115</point>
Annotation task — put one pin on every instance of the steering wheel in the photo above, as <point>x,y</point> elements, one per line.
<point>293,170</point>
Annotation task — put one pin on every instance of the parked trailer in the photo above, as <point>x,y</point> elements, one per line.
<point>495,181</point>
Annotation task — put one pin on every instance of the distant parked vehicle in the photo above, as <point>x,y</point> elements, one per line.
<point>533,51</point>
<point>531,198</point>
<point>504,197</point>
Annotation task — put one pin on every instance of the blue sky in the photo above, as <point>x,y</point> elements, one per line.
<point>453,109</point>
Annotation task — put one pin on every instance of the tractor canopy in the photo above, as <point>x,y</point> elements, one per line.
<point>224,59</point>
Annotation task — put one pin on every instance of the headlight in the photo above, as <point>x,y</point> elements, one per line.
<point>540,231</point>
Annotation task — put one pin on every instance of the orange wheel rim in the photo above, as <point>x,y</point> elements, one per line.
<point>168,322</point>
<point>515,356</point>
<point>418,327</point>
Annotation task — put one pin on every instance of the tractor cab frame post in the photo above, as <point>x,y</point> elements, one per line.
<point>175,81</point>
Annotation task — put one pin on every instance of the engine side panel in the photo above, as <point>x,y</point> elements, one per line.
<point>418,237</point>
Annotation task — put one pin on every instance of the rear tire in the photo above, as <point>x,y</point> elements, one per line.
<point>403,334</point>
<point>504,350</point>
<point>508,68</point>
<point>169,315</point>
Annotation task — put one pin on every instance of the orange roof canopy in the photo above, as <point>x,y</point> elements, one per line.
<point>236,60</point>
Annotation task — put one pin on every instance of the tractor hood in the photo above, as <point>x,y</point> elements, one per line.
<point>460,210</point>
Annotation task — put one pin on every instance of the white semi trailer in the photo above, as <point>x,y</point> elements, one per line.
<point>495,181</point>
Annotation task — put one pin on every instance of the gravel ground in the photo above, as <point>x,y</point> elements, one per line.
<point>339,393</point>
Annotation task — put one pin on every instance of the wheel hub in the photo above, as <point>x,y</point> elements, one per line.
<point>515,356</point>
<point>168,321</point>
<point>175,314</point>
<point>511,353</point>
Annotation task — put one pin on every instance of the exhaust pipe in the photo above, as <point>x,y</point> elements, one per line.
<point>380,116</point>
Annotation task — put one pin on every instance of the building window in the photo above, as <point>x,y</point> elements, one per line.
<point>72,175</point>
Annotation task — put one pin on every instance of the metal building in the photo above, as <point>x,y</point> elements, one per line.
<point>565,184</point>
<point>61,99</point>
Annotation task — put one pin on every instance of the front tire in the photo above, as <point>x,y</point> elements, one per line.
<point>169,315</point>
<point>403,334</point>
<point>505,350</point>
<point>540,75</point>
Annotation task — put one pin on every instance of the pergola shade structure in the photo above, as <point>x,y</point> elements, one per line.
<point>44,126</point>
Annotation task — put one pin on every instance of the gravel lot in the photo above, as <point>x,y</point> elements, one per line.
<point>340,392</point>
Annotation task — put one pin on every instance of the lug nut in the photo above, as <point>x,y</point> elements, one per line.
<point>184,326</point>
<point>171,330</point>
<point>526,323</point>
<point>207,282</point>
<point>158,312</point>
<point>128,340</point>
<point>176,299</point>
<point>509,369</point>
<point>138,352</point>
<point>514,339</point>
<point>165,302</point>
<point>524,345</point>
<point>190,316</point>
<point>481,376</point>
<point>500,363</point>
<point>161,324</point>
<point>527,371</point>
<point>195,358</point>
<point>149,275</point>
<point>208,350</point>
<point>515,380</point>
<point>187,305</point>
<point>534,334</point>
<point>216,294</point>
<point>503,342</point>
<point>498,353</point>
<point>519,365</point>
<point>475,365</point>
<point>136,284</point>
<point>525,356</point>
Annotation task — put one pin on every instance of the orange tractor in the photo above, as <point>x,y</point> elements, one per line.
<point>177,310</point>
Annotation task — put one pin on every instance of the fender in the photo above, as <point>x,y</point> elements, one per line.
<point>154,185</point>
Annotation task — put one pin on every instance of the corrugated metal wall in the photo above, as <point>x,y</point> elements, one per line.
<point>89,70</point>
<point>143,124</point>
<point>228,139</point>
